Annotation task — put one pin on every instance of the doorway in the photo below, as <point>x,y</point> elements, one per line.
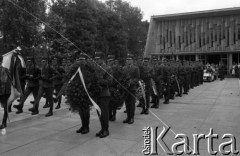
<point>213,58</point>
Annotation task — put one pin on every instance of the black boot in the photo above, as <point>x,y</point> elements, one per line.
<point>19,108</point>
<point>143,111</point>
<point>10,108</point>
<point>79,130</point>
<point>146,111</point>
<point>3,126</point>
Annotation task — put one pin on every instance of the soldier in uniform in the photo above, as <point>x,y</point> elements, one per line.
<point>32,75</point>
<point>58,80</point>
<point>84,113</point>
<point>158,78</point>
<point>113,104</point>
<point>166,82</point>
<point>132,75</point>
<point>154,94</point>
<point>105,80</point>
<point>146,76</point>
<point>46,85</point>
<point>181,74</point>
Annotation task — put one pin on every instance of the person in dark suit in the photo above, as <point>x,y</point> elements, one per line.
<point>32,75</point>
<point>133,76</point>
<point>105,80</point>
<point>46,85</point>
<point>5,91</point>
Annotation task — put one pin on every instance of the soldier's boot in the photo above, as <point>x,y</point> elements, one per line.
<point>113,117</point>
<point>143,111</point>
<point>50,113</point>
<point>19,108</point>
<point>82,121</point>
<point>59,103</point>
<point>146,112</point>
<point>10,108</point>
<point>86,118</point>
<point>46,104</point>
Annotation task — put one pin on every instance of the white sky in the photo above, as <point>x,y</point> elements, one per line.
<point>161,7</point>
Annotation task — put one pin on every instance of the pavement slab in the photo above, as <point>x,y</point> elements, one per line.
<point>212,105</point>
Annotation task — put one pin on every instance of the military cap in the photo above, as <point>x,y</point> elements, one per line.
<point>29,58</point>
<point>99,55</point>
<point>111,57</point>
<point>82,56</point>
<point>44,58</point>
<point>129,56</point>
<point>140,58</point>
<point>154,57</point>
<point>146,59</point>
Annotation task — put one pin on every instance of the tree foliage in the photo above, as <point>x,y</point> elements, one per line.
<point>114,27</point>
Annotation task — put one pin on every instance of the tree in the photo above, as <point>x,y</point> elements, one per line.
<point>131,18</point>
<point>18,27</point>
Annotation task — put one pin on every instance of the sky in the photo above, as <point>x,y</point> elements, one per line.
<point>163,7</point>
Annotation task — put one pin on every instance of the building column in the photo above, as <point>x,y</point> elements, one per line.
<point>229,62</point>
<point>196,57</point>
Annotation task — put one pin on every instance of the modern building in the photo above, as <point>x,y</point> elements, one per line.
<point>210,36</point>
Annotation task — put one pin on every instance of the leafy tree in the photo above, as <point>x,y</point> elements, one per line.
<point>18,27</point>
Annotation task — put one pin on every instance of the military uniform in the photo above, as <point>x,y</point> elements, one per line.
<point>116,97</point>
<point>46,85</point>
<point>166,80</point>
<point>32,75</point>
<point>104,81</point>
<point>132,76</point>
<point>58,82</point>
<point>146,75</point>
<point>84,113</point>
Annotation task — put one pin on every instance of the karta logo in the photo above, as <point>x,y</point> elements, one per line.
<point>153,140</point>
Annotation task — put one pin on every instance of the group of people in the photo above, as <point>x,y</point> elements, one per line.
<point>235,70</point>
<point>141,79</point>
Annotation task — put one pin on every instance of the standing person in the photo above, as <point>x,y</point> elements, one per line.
<point>133,76</point>
<point>84,112</point>
<point>104,81</point>
<point>46,85</point>
<point>5,91</point>
<point>146,77</point>
<point>32,75</point>
<point>116,99</point>
<point>166,80</point>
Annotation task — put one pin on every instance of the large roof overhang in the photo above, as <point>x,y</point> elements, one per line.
<point>198,14</point>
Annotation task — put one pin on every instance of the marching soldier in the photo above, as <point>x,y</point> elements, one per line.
<point>32,75</point>
<point>104,81</point>
<point>133,75</point>
<point>58,80</point>
<point>46,85</point>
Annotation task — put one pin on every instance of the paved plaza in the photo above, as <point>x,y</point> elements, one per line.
<point>212,105</point>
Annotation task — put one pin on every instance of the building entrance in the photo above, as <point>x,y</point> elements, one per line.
<point>213,58</point>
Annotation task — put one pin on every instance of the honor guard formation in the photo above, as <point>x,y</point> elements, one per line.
<point>147,82</point>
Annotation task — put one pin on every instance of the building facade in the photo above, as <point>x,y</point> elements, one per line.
<point>210,36</point>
